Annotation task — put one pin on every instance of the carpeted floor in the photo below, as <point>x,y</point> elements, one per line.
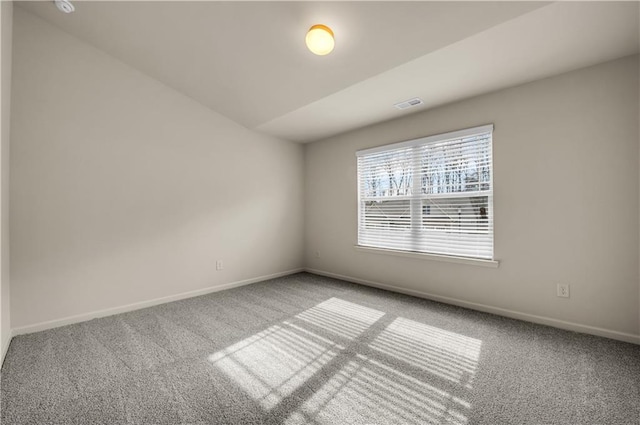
<point>307,349</point>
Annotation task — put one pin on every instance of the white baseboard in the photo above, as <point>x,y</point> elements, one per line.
<point>571,326</point>
<point>37,327</point>
<point>577,327</point>
<point>5,346</point>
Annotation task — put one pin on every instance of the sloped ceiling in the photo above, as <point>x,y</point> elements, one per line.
<point>248,61</point>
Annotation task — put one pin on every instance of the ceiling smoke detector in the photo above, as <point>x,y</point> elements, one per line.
<point>416,101</point>
<point>64,6</point>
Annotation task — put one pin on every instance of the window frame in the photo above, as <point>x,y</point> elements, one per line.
<point>417,197</point>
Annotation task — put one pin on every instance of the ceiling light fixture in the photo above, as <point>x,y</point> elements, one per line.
<point>320,40</point>
<point>64,6</point>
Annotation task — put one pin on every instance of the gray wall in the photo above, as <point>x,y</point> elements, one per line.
<point>6,18</point>
<point>123,190</point>
<point>566,190</point>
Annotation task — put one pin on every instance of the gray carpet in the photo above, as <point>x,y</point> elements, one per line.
<point>310,350</point>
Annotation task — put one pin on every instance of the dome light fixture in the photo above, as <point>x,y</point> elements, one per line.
<point>320,40</point>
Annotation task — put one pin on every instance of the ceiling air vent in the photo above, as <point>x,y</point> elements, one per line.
<point>409,103</point>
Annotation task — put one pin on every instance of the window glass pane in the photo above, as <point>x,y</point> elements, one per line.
<point>460,166</point>
<point>387,174</point>
<point>388,215</point>
<point>456,215</point>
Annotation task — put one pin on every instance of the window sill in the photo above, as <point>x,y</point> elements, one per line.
<point>424,256</point>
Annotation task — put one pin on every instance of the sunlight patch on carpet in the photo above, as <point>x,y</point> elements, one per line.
<point>272,364</point>
<point>446,354</point>
<point>341,317</point>
<point>368,391</point>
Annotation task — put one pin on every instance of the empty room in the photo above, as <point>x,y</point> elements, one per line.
<point>299,212</point>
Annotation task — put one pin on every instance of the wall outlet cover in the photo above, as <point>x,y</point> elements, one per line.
<point>563,290</point>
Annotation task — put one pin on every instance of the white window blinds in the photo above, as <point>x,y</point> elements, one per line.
<point>432,195</point>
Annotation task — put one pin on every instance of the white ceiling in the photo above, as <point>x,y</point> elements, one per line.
<point>248,61</point>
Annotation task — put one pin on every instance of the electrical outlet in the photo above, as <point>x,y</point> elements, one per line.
<point>219,265</point>
<point>563,290</point>
<point>317,254</point>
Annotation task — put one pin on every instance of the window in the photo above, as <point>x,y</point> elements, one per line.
<point>430,195</point>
